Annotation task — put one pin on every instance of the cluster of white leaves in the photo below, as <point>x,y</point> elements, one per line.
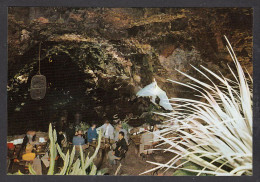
<point>216,134</point>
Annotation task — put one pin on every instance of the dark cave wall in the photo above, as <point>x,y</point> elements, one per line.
<point>116,52</point>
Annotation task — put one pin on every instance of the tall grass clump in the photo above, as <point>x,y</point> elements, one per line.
<point>216,133</point>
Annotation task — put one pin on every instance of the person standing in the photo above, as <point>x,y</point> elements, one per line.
<point>92,133</point>
<point>107,130</point>
<point>78,118</point>
<point>70,132</point>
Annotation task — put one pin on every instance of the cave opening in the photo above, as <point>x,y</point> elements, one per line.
<point>65,92</point>
<point>71,90</point>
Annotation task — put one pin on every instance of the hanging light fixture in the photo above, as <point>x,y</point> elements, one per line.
<point>38,82</point>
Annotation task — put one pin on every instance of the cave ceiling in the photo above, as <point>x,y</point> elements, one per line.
<point>103,56</point>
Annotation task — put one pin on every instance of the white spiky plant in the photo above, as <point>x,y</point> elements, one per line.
<point>215,134</point>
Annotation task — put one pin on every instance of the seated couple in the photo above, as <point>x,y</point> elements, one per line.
<point>78,139</point>
<point>120,150</point>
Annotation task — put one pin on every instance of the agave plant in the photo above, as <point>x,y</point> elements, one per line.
<point>215,134</point>
<point>79,167</point>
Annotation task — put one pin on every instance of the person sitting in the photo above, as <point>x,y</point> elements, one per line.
<point>146,143</point>
<point>29,139</point>
<point>117,130</point>
<point>78,138</point>
<point>79,141</point>
<point>120,150</point>
<point>60,136</point>
<point>107,130</point>
<point>92,133</point>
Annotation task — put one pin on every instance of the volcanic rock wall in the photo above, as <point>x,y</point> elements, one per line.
<point>96,59</point>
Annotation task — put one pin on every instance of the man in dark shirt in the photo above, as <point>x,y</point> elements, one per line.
<point>120,150</point>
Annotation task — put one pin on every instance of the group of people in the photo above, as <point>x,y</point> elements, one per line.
<point>117,137</point>
<point>108,132</point>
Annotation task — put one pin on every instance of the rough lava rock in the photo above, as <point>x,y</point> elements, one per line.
<point>96,59</point>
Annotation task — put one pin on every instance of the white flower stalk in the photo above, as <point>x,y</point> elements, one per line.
<point>215,134</point>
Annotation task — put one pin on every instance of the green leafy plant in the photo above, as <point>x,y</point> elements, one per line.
<point>82,126</point>
<point>216,134</point>
<point>125,125</point>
